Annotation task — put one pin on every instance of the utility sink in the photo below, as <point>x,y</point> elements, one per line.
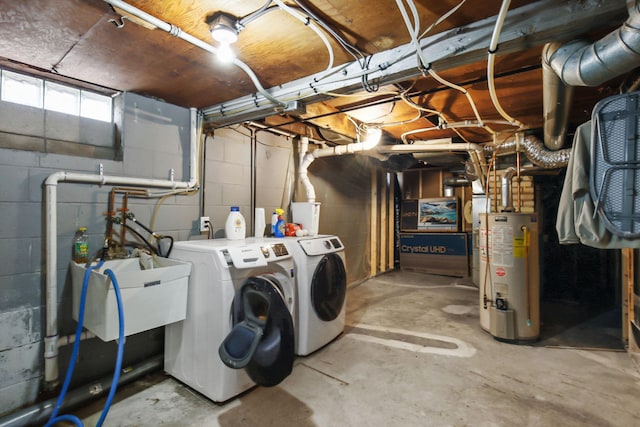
<point>151,297</point>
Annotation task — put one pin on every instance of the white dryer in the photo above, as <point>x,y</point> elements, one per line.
<point>221,269</point>
<point>321,280</point>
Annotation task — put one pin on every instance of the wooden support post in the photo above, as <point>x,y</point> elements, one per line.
<point>384,223</point>
<point>373,241</point>
<point>391,179</point>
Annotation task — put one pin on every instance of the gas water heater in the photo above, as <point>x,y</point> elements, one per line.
<point>509,276</point>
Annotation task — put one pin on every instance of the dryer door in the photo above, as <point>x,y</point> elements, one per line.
<point>262,338</point>
<point>329,287</point>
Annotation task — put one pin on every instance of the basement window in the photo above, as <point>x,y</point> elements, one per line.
<point>61,98</point>
<point>37,114</point>
<point>35,92</point>
<point>21,89</point>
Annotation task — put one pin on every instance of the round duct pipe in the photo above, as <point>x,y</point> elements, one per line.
<point>534,149</point>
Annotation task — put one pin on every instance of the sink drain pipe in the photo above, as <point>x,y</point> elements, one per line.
<point>39,413</point>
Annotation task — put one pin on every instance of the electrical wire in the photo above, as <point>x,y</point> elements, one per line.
<point>491,57</point>
<point>413,32</point>
<point>441,19</point>
<point>313,27</point>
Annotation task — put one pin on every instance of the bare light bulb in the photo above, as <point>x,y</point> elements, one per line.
<point>225,53</point>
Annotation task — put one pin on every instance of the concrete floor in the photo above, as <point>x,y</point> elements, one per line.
<point>412,355</point>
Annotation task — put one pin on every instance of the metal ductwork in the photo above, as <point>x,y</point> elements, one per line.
<point>557,99</point>
<point>534,149</point>
<point>507,196</point>
<point>580,63</point>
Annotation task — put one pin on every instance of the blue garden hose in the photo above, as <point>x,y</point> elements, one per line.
<point>54,418</point>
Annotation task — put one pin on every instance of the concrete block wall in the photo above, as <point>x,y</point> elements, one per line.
<point>228,175</point>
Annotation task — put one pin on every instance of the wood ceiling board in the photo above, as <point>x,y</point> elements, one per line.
<point>155,63</point>
<point>277,46</point>
<point>41,36</point>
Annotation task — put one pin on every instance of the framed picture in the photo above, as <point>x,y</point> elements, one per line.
<point>438,214</point>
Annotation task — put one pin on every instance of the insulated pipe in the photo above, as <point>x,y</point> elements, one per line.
<point>39,413</point>
<point>557,100</point>
<point>579,63</point>
<point>507,197</point>
<point>533,148</point>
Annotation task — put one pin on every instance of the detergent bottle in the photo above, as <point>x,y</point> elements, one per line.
<point>235,227</point>
<point>279,228</point>
<point>274,221</point>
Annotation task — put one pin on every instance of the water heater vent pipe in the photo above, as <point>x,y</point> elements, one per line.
<point>507,197</point>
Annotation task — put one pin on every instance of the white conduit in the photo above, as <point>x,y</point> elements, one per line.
<point>312,25</point>
<point>51,235</point>
<point>493,46</point>
<point>413,32</point>
<point>177,32</point>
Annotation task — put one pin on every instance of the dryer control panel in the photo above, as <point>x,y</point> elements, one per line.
<point>321,245</point>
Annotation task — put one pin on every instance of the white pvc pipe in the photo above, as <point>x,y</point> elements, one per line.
<point>51,233</point>
<point>305,160</point>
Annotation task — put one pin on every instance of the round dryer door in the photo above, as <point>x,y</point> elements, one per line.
<point>329,287</point>
<point>262,338</point>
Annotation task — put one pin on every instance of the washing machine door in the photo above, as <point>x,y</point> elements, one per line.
<point>262,338</point>
<point>329,287</point>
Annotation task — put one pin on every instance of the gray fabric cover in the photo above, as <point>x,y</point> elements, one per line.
<point>575,222</point>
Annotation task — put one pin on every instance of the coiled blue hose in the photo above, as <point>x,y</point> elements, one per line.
<point>54,418</point>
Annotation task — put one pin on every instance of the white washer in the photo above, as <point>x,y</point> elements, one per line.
<point>219,268</point>
<point>321,280</point>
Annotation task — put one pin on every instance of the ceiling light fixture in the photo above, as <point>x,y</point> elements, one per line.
<point>372,138</point>
<point>223,27</point>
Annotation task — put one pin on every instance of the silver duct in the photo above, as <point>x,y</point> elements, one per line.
<point>557,99</point>
<point>507,195</point>
<point>534,149</point>
<point>579,63</point>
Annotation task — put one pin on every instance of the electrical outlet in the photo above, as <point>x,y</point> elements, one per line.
<point>204,223</point>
